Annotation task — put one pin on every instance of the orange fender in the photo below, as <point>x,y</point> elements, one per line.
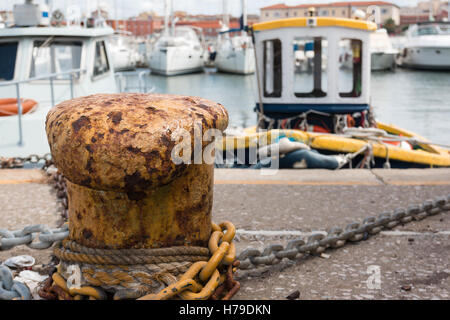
<point>8,106</point>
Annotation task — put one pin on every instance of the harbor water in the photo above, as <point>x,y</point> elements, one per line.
<point>415,100</point>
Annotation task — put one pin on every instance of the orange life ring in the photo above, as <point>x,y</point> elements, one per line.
<point>8,106</point>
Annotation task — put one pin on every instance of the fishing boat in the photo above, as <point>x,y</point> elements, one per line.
<point>427,46</point>
<point>235,54</point>
<point>321,117</point>
<point>42,66</point>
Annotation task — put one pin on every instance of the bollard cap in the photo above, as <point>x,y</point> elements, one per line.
<point>123,142</point>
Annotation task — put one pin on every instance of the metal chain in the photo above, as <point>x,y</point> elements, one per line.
<point>11,289</point>
<point>46,236</point>
<point>273,254</point>
<point>59,183</point>
<point>248,258</point>
<point>18,162</point>
<point>202,279</point>
<point>338,237</point>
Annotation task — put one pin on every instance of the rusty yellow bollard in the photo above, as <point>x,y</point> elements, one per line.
<point>124,190</point>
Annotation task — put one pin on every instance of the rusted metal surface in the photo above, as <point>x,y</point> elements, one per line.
<point>123,142</point>
<point>178,213</point>
<point>124,190</point>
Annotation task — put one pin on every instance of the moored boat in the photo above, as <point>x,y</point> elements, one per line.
<point>325,108</point>
<point>427,46</point>
<point>124,51</point>
<point>42,67</point>
<point>382,52</point>
<point>235,54</point>
<point>179,50</point>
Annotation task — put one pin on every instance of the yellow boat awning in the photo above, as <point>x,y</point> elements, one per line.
<point>315,22</point>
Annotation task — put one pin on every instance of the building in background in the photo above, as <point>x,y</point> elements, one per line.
<point>424,11</point>
<point>389,11</point>
<point>212,24</point>
<point>135,26</point>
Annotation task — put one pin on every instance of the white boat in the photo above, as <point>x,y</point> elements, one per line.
<point>47,65</point>
<point>427,46</point>
<point>178,53</point>
<point>124,51</point>
<point>382,52</point>
<point>179,49</point>
<point>235,54</point>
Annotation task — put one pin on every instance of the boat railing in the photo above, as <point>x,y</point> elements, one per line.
<point>51,77</point>
<point>142,81</point>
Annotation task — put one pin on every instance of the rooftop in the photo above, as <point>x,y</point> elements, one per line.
<point>332,4</point>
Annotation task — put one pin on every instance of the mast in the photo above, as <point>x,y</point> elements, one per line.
<point>226,17</point>
<point>166,17</point>
<point>172,21</point>
<point>244,15</point>
<point>115,12</point>
<point>430,14</point>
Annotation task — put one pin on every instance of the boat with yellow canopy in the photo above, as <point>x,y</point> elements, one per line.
<point>313,106</point>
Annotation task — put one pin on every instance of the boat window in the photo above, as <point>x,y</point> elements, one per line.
<point>427,30</point>
<point>101,64</point>
<point>445,29</point>
<point>54,57</point>
<point>350,68</point>
<point>272,68</point>
<point>310,67</point>
<point>8,54</point>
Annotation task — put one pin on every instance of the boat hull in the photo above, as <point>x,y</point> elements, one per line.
<point>176,60</point>
<point>381,61</point>
<point>236,61</point>
<point>123,60</point>
<point>431,58</point>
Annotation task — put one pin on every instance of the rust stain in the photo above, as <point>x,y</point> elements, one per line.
<point>115,116</point>
<point>82,121</point>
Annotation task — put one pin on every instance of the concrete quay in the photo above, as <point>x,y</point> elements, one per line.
<point>274,207</point>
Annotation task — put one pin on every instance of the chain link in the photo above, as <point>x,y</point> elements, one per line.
<point>18,162</point>
<point>337,237</point>
<point>272,254</point>
<point>46,236</point>
<point>203,278</point>
<point>11,289</point>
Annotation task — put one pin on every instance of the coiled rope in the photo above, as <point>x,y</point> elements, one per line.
<point>163,273</point>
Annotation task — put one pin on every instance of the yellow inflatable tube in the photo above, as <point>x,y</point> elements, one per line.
<point>430,156</point>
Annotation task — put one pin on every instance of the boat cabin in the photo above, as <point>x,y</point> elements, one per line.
<point>429,28</point>
<point>312,67</point>
<point>37,52</point>
<point>42,66</point>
